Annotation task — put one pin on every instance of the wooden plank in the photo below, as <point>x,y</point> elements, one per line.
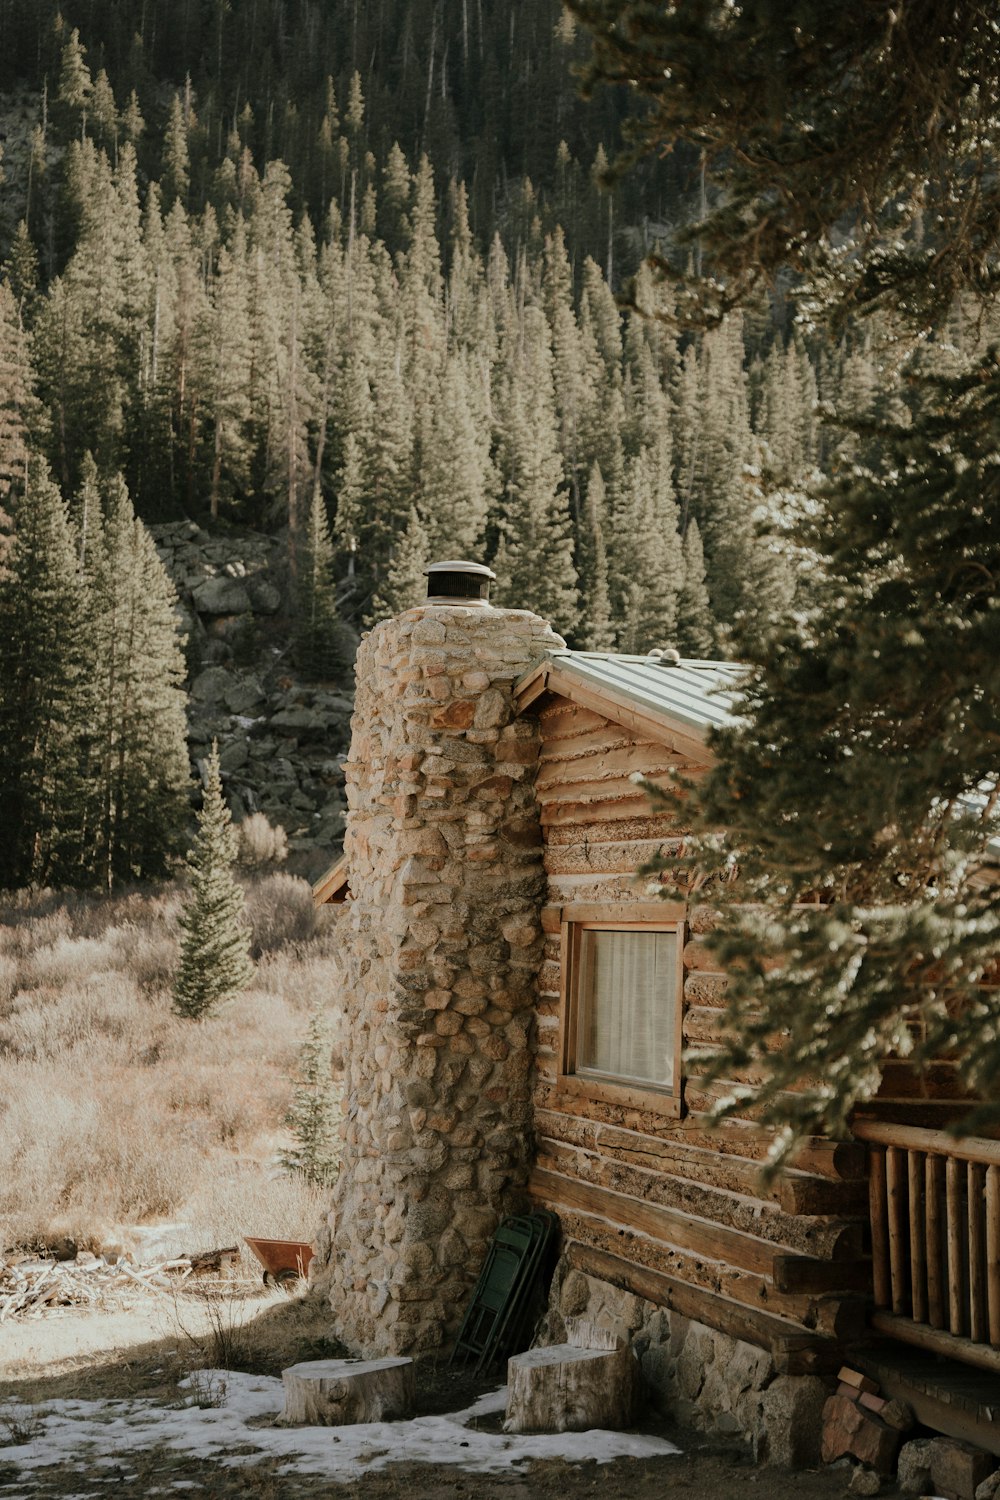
<point>559,718</point>
<point>993,1252</point>
<point>918,1240</point>
<point>657,726</point>
<point>600,789</point>
<point>551,918</point>
<point>605,764</point>
<point>937,1340</point>
<point>902,1079</point>
<point>712,1162</point>
<point>904,1378</point>
<point>953,1230</point>
<point>895,1173</point>
<point>652,825</point>
<point>706,988</point>
<point>836,1160</point>
<point>798,1352</point>
<point>816,1237</point>
<point>879,1215</point>
<point>646,914</point>
<point>583,810</point>
<point>613,857</point>
<point>698,955</point>
<point>802,1274</point>
<point>828,1314</point>
<point>934,1210</point>
<point>568,738</point>
<point>975,1197</point>
<point>734,1247</point>
<point>916,1138</point>
<point>630,1096</point>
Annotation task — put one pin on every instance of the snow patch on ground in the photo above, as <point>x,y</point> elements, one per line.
<point>77,1434</point>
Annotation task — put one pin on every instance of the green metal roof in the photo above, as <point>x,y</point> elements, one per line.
<point>698,694</point>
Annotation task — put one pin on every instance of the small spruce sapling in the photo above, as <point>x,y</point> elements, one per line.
<point>314,1111</point>
<point>215,963</point>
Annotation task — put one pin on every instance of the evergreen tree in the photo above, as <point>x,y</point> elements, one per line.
<point>16,396</point>
<point>864,836</point>
<point>314,1114</point>
<point>44,692</point>
<point>535,565</point>
<point>695,626</point>
<point>596,628</point>
<point>175,179</point>
<point>215,964</point>
<point>139,748</point>
<point>319,636</point>
<point>858,783</point>
<point>405,581</point>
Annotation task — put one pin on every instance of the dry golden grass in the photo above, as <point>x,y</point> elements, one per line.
<point>113,1110</point>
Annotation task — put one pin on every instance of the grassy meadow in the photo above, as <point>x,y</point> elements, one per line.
<point>114,1111</point>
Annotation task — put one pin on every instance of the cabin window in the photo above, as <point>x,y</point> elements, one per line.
<point>622,983</point>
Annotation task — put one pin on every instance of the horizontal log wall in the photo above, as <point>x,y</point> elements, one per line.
<point>677,1211</point>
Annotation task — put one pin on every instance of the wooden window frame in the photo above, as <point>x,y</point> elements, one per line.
<point>637,916</point>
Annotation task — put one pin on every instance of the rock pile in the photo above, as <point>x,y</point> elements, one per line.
<point>281,740</point>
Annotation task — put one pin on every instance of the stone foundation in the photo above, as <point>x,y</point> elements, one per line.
<point>439,950</point>
<point>703,1378</point>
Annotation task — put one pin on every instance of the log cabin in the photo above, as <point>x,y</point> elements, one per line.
<point>519,1004</point>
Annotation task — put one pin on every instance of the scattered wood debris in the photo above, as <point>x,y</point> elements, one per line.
<point>30,1286</point>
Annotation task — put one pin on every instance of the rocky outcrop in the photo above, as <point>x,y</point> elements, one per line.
<point>281,739</point>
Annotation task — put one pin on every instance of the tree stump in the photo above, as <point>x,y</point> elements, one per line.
<point>591,1381</point>
<point>340,1392</point>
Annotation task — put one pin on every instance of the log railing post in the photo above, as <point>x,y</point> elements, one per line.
<point>878,1205</point>
<point>993,1252</point>
<point>953,1193</point>
<point>918,1242</point>
<point>895,1167</point>
<point>934,1200</point>
<point>934,1203</point>
<point>976,1187</point>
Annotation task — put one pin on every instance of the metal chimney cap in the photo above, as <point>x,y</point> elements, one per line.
<point>459,582</point>
<point>461,566</point>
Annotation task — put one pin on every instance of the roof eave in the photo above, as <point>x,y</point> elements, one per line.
<point>554,674</point>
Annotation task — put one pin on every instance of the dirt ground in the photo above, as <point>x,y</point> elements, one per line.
<point>144,1350</point>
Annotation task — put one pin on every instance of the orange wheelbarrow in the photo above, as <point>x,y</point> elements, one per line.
<point>284,1261</point>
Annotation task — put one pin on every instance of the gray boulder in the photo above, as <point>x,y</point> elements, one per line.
<point>212,685</point>
<point>265,599</point>
<point>221,596</point>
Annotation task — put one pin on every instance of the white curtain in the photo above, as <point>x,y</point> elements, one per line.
<point>627,999</point>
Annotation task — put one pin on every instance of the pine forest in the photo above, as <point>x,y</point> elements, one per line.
<point>356,278</point>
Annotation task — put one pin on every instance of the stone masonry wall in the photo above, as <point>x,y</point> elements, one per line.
<point>702,1377</point>
<point>439,950</point>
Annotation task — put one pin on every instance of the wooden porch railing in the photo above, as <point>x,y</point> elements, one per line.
<point>935,1221</point>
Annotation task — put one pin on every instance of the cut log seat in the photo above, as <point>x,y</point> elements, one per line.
<point>341,1392</point>
<point>591,1381</point>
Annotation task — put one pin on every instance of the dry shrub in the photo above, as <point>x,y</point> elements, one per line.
<point>149,958</point>
<point>9,971</point>
<point>260,843</point>
<point>92,1146</point>
<point>113,1109</point>
<point>45,1023</point>
<point>281,912</point>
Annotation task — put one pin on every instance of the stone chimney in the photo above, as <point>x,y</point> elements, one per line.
<point>439,949</point>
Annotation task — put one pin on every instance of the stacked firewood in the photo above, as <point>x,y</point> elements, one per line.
<point>858,1421</point>
<point>30,1286</point>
